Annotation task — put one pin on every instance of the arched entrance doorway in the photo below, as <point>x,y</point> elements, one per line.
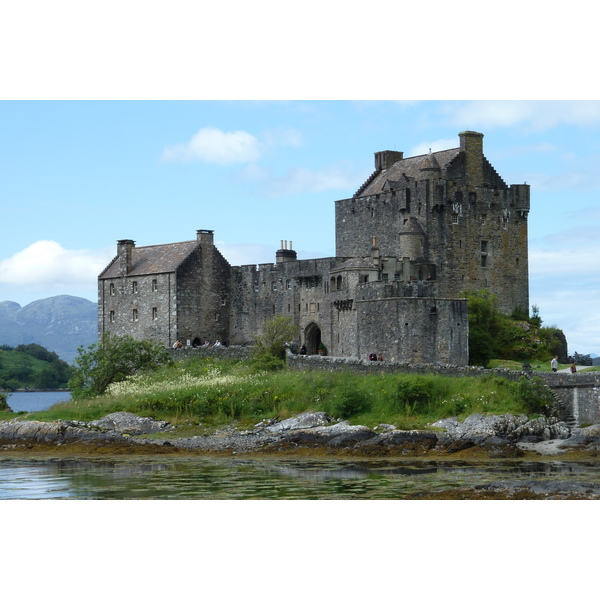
<point>312,338</point>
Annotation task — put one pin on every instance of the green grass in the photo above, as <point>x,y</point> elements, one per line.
<point>536,365</point>
<point>217,392</point>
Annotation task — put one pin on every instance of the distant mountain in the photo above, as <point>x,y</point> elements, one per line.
<point>60,324</point>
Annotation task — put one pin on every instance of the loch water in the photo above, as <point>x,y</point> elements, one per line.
<point>36,401</point>
<point>202,478</point>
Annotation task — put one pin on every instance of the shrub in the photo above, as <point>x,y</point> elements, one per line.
<point>113,360</point>
<point>413,393</point>
<point>535,396</point>
<point>350,402</point>
<point>275,334</point>
<point>3,403</point>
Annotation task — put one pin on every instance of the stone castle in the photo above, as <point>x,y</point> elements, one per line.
<point>416,235</point>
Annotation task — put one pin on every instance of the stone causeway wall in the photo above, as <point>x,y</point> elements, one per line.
<point>219,352</point>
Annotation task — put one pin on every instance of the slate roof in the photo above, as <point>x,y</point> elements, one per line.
<point>409,168</point>
<point>150,260</point>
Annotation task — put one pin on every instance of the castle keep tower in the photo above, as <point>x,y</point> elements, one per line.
<point>449,215</point>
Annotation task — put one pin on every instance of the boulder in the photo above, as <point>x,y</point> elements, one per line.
<point>130,424</point>
<point>301,421</point>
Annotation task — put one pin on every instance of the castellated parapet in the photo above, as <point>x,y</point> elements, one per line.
<point>417,234</point>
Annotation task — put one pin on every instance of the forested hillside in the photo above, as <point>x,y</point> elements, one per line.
<point>32,366</point>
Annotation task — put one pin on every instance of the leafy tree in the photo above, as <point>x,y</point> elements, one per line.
<point>3,403</point>
<point>114,359</point>
<point>46,379</point>
<point>485,326</point>
<point>38,351</point>
<point>276,332</point>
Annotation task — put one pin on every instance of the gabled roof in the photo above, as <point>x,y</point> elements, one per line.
<point>409,168</point>
<point>149,260</point>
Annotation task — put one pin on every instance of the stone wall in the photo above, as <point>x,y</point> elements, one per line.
<point>142,307</point>
<point>220,352</point>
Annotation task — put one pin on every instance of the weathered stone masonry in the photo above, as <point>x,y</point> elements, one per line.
<point>418,233</point>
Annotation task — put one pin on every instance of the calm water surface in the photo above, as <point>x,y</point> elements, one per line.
<point>227,478</point>
<point>35,401</point>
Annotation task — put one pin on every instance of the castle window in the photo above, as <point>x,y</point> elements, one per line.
<point>111,289</point>
<point>154,313</point>
<point>155,285</point>
<point>454,219</point>
<point>288,284</point>
<point>385,277</point>
<point>134,316</point>
<point>134,287</point>
<point>256,288</point>
<point>372,210</point>
<point>274,286</point>
<point>339,282</point>
<point>484,253</point>
<point>111,316</point>
<point>483,218</point>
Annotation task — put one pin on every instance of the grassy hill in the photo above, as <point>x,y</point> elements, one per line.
<point>32,366</point>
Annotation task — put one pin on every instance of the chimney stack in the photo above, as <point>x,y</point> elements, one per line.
<point>285,255</point>
<point>124,254</point>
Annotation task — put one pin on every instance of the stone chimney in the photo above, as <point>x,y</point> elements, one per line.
<point>285,255</point>
<point>124,255</point>
<point>386,159</point>
<point>206,236</point>
<point>471,143</point>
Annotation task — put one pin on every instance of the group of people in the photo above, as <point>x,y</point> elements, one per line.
<point>207,344</point>
<point>293,346</point>
<point>554,365</point>
<point>376,357</point>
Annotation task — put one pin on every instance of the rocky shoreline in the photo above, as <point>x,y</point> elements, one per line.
<point>479,436</point>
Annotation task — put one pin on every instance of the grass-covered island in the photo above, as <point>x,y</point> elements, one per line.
<point>209,393</point>
<point>260,407</point>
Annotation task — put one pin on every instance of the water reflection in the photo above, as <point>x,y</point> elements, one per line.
<point>212,478</point>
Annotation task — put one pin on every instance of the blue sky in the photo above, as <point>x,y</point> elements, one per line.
<point>75,176</point>
<point>122,120</point>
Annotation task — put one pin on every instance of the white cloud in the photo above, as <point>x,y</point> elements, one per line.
<point>300,180</point>
<point>215,146</point>
<point>565,284</point>
<point>46,265</point>
<point>220,147</point>
<point>532,114</point>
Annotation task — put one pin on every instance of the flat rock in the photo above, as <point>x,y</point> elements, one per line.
<point>301,421</point>
<point>130,424</point>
